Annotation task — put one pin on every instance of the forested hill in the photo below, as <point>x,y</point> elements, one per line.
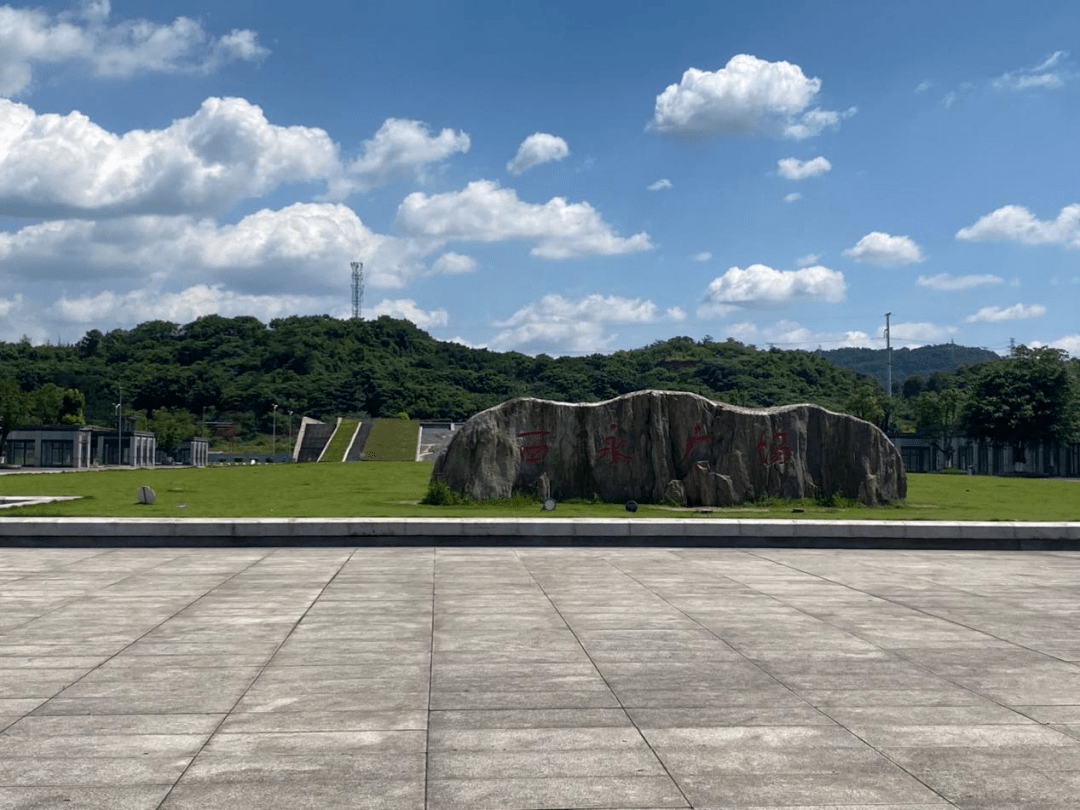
<point>323,367</point>
<point>924,361</point>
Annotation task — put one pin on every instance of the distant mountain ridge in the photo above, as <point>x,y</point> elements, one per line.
<point>925,360</point>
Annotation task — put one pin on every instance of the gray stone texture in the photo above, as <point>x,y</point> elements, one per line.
<point>663,445</point>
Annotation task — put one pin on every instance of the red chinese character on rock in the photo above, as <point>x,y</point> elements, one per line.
<point>693,441</point>
<point>535,448</point>
<point>778,452</point>
<point>613,447</point>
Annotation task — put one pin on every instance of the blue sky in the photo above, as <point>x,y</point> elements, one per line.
<point>565,177</point>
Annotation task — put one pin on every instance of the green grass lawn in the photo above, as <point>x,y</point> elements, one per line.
<point>392,440</point>
<point>393,490</point>
<point>339,442</point>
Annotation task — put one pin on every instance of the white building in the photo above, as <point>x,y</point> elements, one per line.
<point>79,447</point>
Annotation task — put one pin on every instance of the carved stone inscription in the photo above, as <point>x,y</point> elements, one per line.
<point>661,445</point>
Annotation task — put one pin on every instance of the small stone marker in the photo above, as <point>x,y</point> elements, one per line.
<point>549,505</point>
<point>145,495</point>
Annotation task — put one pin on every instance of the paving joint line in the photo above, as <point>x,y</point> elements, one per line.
<point>769,674</point>
<point>431,677</point>
<point>924,612</point>
<point>618,699</point>
<point>911,661</point>
<point>716,635</point>
<point>262,669</point>
<point>103,553</point>
<point>152,629</point>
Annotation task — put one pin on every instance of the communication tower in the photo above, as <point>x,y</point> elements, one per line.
<point>357,287</point>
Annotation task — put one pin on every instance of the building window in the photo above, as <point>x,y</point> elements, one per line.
<point>57,453</point>
<point>20,451</point>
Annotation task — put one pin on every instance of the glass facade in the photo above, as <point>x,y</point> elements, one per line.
<point>20,452</point>
<point>57,453</point>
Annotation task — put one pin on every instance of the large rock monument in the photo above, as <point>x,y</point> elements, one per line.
<point>664,445</point>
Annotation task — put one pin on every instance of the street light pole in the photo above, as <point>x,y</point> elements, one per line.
<point>290,434</point>
<point>273,446</point>
<point>120,428</point>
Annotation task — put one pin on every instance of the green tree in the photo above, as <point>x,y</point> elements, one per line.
<point>53,405</point>
<point>171,427</point>
<point>14,409</point>
<point>939,412</point>
<point>1028,398</point>
<point>866,402</point>
<point>913,386</point>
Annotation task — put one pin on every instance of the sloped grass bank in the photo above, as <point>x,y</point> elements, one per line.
<point>392,440</point>
<point>339,442</point>
<point>395,489</point>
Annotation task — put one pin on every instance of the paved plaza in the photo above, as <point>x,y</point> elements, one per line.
<point>536,677</point>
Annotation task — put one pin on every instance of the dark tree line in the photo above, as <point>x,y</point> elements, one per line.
<point>237,369</point>
<point>322,367</point>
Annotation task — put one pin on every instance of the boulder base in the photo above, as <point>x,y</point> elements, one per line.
<point>663,445</point>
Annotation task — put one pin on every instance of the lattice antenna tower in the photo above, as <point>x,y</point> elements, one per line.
<point>357,287</point>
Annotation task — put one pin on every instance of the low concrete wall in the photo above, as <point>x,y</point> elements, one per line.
<point>690,532</point>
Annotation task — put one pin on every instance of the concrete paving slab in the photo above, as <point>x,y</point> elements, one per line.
<point>527,676</point>
<point>146,797</point>
<point>92,771</point>
<point>114,724</point>
<point>528,719</point>
<point>373,794</point>
<point>317,767</point>
<point>582,792</point>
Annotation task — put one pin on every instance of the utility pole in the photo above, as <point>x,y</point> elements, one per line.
<point>888,373</point>
<point>120,428</point>
<point>273,445</point>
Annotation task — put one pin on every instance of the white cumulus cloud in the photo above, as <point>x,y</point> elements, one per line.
<point>946,281</point>
<point>807,260</point>
<point>296,249</point>
<point>885,250</point>
<point>66,166</point>
<point>31,38</point>
<point>792,335</point>
<point>451,263</point>
<point>659,184</point>
<point>484,212</point>
<point>760,286</point>
<point>406,308</point>
<point>183,306</point>
<point>747,96</point>
<point>1049,74</point>
<point>1016,223</point>
<point>794,196</point>
<point>920,333</point>
<point>817,121</point>
<point>1014,313</point>
<point>795,169</point>
<point>558,325</point>
<point>540,147</point>
<point>1070,343</point>
<point>9,305</point>
<point>401,147</point>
